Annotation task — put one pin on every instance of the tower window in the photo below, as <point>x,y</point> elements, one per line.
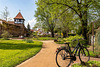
<point>17,20</point>
<point>21,20</point>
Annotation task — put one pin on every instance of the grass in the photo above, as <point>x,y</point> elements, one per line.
<point>88,64</point>
<point>60,42</point>
<point>13,52</point>
<point>95,54</point>
<point>44,38</point>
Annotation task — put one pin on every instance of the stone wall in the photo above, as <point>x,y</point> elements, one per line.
<point>13,29</point>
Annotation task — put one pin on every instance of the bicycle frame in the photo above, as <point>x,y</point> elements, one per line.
<point>71,55</point>
<point>76,48</point>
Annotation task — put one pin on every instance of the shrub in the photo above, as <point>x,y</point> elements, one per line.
<point>31,36</point>
<point>5,35</point>
<point>71,38</point>
<point>59,40</point>
<point>97,48</point>
<point>97,40</point>
<point>70,34</point>
<point>96,54</point>
<point>45,35</point>
<point>28,41</point>
<point>34,33</point>
<point>55,40</point>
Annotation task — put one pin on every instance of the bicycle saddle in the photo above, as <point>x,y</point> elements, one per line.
<point>67,43</point>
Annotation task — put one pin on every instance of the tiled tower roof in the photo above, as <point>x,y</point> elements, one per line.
<point>19,16</point>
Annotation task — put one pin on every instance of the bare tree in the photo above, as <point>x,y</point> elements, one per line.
<point>5,13</point>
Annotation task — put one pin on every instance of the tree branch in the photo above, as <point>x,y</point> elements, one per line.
<point>63,12</point>
<point>77,1</point>
<point>89,3</point>
<point>65,5</point>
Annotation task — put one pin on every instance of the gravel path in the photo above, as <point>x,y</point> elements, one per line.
<point>46,57</point>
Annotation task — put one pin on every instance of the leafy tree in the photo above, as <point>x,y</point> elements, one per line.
<point>80,7</point>
<point>94,16</point>
<point>44,16</point>
<point>66,22</point>
<point>38,25</point>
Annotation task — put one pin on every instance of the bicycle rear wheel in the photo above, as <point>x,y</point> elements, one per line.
<point>63,58</point>
<point>84,55</point>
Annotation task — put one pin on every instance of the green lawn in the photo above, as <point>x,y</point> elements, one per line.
<point>95,54</point>
<point>44,38</point>
<point>60,42</point>
<point>88,64</point>
<point>13,52</point>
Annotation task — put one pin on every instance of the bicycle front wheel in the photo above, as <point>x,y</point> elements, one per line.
<point>63,58</point>
<point>84,55</point>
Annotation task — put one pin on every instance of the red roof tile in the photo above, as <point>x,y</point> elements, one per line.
<point>19,16</point>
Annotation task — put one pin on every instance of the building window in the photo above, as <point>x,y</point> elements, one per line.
<point>15,22</point>
<point>21,20</point>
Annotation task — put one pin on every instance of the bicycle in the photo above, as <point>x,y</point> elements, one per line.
<point>65,56</point>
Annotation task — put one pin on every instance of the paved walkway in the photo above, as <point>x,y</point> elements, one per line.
<point>46,57</point>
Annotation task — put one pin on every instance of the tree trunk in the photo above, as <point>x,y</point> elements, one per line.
<point>84,25</point>
<point>52,33</point>
<point>83,19</point>
<point>84,30</point>
<point>64,34</point>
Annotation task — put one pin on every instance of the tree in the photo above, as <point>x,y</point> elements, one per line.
<point>80,7</point>
<point>44,16</point>
<point>66,21</point>
<point>28,27</point>
<point>28,30</point>
<point>37,25</point>
<point>5,13</point>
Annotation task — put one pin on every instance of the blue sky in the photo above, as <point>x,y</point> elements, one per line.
<point>26,7</point>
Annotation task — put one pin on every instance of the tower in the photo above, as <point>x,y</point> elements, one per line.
<point>19,21</point>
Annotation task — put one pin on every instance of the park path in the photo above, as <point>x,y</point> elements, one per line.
<point>46,57</point>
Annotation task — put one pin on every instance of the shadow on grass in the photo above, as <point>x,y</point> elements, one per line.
<point>19,46</point>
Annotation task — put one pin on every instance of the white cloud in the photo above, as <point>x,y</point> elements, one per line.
<point>31,22</point>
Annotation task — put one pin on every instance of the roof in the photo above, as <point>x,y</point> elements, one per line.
<point>10,22</point>
<point>31,30</point>
<point>3,20</point>
<point>19,16</point>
